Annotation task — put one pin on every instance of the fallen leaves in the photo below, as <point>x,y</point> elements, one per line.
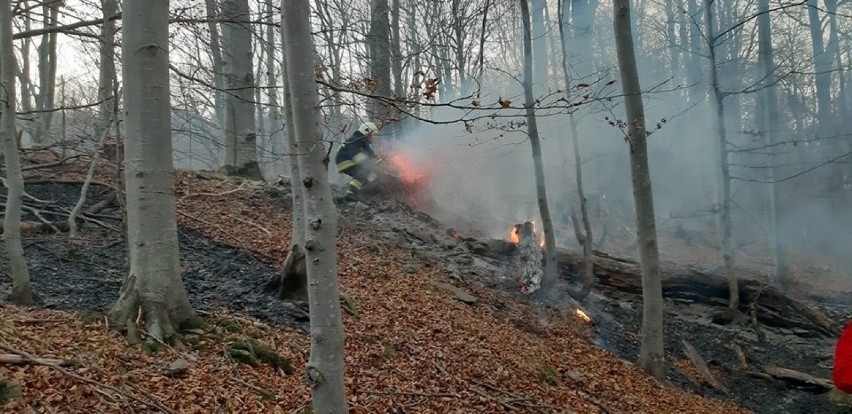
<point>409,347</point>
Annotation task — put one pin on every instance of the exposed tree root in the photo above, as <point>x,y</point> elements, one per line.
<point>292,283</point>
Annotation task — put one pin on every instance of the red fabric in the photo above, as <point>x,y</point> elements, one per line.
<point>842,373</point>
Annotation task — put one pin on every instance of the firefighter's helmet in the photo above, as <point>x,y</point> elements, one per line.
<point>367,128</point>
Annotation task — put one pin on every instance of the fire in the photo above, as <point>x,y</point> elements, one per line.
<point>406,169</point>
<point>514,235</point>
<point>582,315</point>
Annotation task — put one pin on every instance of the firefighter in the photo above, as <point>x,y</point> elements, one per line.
<point>842,370</point>
<point>357,159</point>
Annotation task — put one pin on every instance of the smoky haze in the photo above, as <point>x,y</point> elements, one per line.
<point>483,180</point>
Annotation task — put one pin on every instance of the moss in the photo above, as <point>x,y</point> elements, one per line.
<point>9,390</point>
<point>192,324</point>
<point>840,398</point>
<point>250,352</point>
<point>90,316</point>
<point>228,325</point>
<point>547,375</point>
<point>152,347</point>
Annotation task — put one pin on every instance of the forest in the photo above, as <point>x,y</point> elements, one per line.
<point>569,206</point>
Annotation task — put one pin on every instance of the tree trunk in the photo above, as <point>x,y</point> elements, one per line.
<point>21,289</point>
<point>154,285</point>
<point>551,272</point>
<point>325,364</point>
<point>723,175</point>
<point>770,123</point>
<point>216,53</point>
<point>539,40</point>
<point>396,50</point>
<point>587,239</point>
<point>240,149</point>
<point>651,354</point>
<point>276,128</point>
<point>25,75</point>
<point>107,78</point>
<point>380,57</point>
<point>292,283</point>
<point>47,73</point>
<point>822,70</point>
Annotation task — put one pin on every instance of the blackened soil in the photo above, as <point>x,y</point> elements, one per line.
<point>216,275</point>
<point>618,324</point>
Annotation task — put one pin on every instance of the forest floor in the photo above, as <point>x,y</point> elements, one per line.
<point>432,326</point>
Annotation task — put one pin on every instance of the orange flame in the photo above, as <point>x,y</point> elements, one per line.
<point>514,237</point>
<point>405,167</point>
<point>582,315</point>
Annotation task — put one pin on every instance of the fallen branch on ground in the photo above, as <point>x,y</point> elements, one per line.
<point>701,366</point>
<point>18,360</point>
<point>31,358</point>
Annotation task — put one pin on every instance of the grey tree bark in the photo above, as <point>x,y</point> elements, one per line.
<point>216,54</point>
<point>21,288</point>
<point>651,353</point>
<point>396,49</point>
<point>106,78</point>
<point>275,125</point>
<point>24,75</point>
<point>539,40</point>
<point>587,239</point>
<point>47,73</point>
<point>723,175</point>
<point>325,364</point>
<point>292,283</point>
<point>240,149</point>
<point>770,122</point>
<point>551,271</point>
<point>380,56</point>
<point>822,68</point>
<point>154,285</point>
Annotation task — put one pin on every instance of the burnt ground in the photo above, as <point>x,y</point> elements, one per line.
<point>216,275</point>
<point>220,276</point>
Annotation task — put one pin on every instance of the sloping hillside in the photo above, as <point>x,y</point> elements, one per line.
<point>412,345</point>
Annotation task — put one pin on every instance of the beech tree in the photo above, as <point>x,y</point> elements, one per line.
<point>651,354</point>
<point>21,289</point>
<point>551,270</point>
<point>240,152</point>
<point>154,285</point>
<point>319,215</point>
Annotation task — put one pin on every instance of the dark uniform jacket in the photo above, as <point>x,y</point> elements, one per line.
<point>354,151</point>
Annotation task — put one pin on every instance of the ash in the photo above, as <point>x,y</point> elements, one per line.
<point>526,263</point>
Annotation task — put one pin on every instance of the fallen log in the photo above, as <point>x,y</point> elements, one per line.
<point>701,366</point>
<point>797,378</point>
<point>773,307</point>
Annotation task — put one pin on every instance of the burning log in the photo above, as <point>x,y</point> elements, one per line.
<point>527,262</point>
<point>774,307</point>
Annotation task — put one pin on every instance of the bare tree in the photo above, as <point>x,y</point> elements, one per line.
<point>47,71</point>
<point>21,289</point>
<point>723,175</point>
<point>770,122</point>
<point>212,13</point>
<point>107,78</point>
<point>586,238</point>
<point>325,364</point>
<point>154,286</point>
<point>292,283</point>
<point>651,354</point>
<point>240,152</point>
<point>551,271</point>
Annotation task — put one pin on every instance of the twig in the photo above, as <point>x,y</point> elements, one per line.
<point>50,164</point>
<point>37,360</point>
<point>217,194</point>
<point>240,242</point>
<point>413,393</point>
<point>258,226</point>
<point>484,394</point>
